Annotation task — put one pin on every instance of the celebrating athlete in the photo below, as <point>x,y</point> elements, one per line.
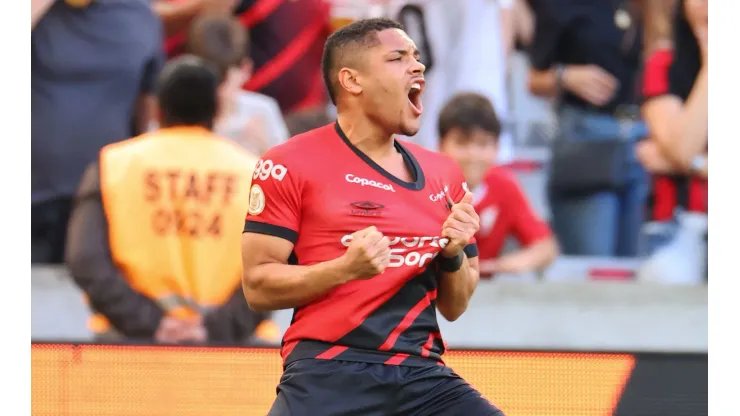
<point>365,237</point>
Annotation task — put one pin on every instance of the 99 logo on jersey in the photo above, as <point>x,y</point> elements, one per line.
<point>266,169</point>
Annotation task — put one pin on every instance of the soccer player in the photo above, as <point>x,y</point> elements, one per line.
<point>469,130</point>
<point>365,237</point>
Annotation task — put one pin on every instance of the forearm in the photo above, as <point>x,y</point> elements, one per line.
<point>508,33</point>
<point>90,263</point>
<point>274,286</point>
<point>176,16</point>
<point>532,258</point>
<point>694,121</point>
<point>456,289</point>
<point>543,83</point>
<point>523,22</point>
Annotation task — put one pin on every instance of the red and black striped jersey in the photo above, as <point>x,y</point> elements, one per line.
<point>315,190</point>
<point>286,41</point>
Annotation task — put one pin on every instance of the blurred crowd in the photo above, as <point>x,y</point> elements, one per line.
<point>624,171</point>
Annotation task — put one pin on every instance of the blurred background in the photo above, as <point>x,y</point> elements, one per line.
<point>581,126</point>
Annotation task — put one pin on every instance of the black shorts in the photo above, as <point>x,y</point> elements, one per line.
<point>344,388</point>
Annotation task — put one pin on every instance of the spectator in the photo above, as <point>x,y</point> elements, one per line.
<point>464,48</point>
<point>287,38</point>
<point>155,234</point>
<point>678,129</point>
<point>469,130</point>
<point>678,161</point>
<point>665,86</point>
<point>249,118</point>
<point>585,55</point>
<point>93,68</point>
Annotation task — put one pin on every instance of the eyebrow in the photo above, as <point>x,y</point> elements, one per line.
<point>404,52</point>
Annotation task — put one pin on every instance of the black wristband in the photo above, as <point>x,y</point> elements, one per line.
<point>450,264</point>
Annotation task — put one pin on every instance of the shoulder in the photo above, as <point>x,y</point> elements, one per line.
<point>301,152</point>
<point>500,179</point>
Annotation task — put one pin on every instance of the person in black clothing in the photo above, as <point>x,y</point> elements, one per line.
<point>675,108</point>
<point>585,55</point>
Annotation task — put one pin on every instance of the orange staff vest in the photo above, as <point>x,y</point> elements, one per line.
<point>175,201</point>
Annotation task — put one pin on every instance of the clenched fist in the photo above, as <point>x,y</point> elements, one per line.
<point>460,226</point>
<point>368,253</point>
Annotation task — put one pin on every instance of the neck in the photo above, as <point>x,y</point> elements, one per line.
<point>366,135</point>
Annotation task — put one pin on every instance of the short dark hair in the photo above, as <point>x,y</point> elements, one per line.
<point>187,92</point>
<point>468,111</point>
<point>338,48</point>
<point>221,40</point>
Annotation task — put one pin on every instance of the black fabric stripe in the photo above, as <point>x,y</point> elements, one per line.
<point>270,229</point>
<point>310,349</point>
<point>471,250</point>
<point>379,324</point>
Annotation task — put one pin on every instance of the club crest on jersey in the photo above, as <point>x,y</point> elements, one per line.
<point>256,200</point>
<point>367,182</point>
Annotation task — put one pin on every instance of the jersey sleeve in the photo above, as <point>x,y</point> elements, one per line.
<point>526,226</point>
<point>457,189</point>
<point>275,197</point>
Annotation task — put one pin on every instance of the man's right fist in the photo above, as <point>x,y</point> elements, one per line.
<point>368,254</point>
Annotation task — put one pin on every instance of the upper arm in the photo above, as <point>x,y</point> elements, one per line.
<point>548,30</point>
<point>154,64</point>
<point>87,235</point>
<point>274,215</point>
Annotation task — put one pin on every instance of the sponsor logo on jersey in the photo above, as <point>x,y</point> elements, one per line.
<point>266,169</point>
<point>366,208</point>
<point>410,251</point>
<point>367,182</point>
<point>256,200</point>
<point>440,196</point>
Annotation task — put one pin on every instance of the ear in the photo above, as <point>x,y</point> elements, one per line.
<point>349,81</point>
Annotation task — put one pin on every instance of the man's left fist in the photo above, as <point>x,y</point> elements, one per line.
<point>460,226</point>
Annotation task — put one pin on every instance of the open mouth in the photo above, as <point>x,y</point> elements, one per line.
<point>415,98</point>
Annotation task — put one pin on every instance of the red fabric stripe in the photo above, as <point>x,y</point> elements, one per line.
<point>396,359</point>
<point>408,320</point>
<point>655,78</point>
<point>524,165</point>
<point>287,349</point>
<point>665,201</point>
<point>698,195</point>
<point>173,42</point>
<point>426,348</point>
<point>315,97</point>
<point>258,12</point>
<point>270,71</point>
<point>610,274</point>
<point>331,352</point>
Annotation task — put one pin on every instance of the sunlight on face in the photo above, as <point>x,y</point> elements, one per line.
<point>392,68</point>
